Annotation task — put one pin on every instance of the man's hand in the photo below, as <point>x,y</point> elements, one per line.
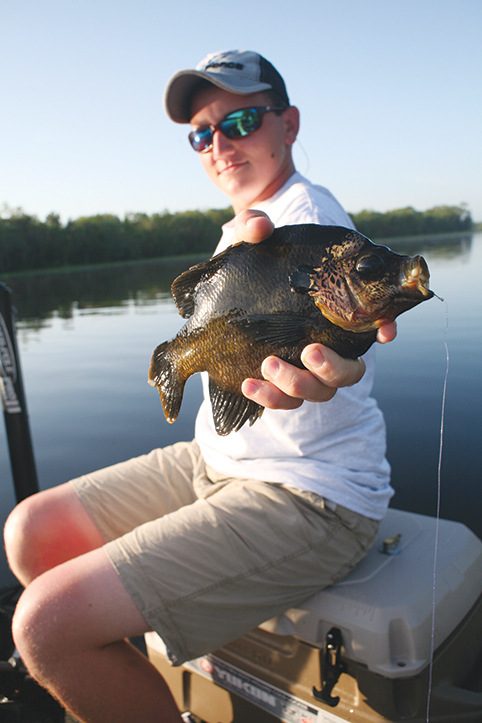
<point>253,226</point>
<point>285,386</point>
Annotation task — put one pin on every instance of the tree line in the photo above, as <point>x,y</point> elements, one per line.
<point>27,243</point>
<point>409,222</point>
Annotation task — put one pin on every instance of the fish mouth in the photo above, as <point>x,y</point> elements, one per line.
<point>415,276</point>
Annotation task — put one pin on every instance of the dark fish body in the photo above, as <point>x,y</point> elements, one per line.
<point>303,284</point>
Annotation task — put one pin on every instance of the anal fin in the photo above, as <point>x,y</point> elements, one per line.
<point>230,410</point>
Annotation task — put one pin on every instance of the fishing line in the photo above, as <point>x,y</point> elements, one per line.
<point>307,160</point>
<point>439,490</point>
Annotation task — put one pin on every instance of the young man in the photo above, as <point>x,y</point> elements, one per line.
<point>202,541</point>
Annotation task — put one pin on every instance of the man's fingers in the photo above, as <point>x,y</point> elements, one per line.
<point>268,395</point>
<point>330,368</point>
<point>294,382</point>
<point>286,386</point>
<point>252,226</point>
<point>386,333</point>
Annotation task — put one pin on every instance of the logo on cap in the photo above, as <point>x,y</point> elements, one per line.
<point>222,64</point>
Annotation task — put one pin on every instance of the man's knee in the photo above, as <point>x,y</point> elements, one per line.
<point>33,632</point>
<point>29,519</point>
<point>46,529</point>
<point>19,532</point>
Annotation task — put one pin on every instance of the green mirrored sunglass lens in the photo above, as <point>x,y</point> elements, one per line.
<point>240,123</point>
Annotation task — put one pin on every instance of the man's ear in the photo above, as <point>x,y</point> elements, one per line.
<point>291,117</point>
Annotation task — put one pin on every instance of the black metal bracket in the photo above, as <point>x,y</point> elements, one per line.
<point>332,668</point>
<point>22,700</point>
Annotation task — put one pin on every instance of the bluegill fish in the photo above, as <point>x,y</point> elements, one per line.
<point>304,284</point>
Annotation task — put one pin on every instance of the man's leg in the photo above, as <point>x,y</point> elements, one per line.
<point>47,529</point>
<point>98,678</point>
<point>53,526</point>
<point>70,626</point>
<point>71,621</point>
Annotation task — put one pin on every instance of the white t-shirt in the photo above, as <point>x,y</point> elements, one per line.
<point>335,448</point>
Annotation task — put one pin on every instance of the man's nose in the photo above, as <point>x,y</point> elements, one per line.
<point>221,144</point>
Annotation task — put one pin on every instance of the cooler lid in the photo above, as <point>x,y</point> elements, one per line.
<point>384,607</point>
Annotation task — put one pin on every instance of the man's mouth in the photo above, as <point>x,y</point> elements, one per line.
<point>231,167</point>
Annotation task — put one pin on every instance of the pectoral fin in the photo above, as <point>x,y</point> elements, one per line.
<point>275,329</point>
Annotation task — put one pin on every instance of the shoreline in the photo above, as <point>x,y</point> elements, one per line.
<point>200,256</point>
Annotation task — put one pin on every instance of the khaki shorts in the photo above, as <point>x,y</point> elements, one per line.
<point>205,558</point>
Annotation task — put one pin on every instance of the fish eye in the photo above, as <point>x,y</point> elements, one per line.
<point>370,267</point>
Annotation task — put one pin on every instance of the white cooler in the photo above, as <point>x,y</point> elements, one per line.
<point>361,650</point>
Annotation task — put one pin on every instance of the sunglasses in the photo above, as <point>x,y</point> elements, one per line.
<point>238,124</point>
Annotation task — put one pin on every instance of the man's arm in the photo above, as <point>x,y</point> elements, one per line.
<point>284,385</point>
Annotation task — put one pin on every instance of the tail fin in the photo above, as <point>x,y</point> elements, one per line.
<point>163,374</point>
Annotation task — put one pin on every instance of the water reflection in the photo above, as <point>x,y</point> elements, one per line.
<point>38,296</point>
<point>86,338</point>
<point>443,247</point>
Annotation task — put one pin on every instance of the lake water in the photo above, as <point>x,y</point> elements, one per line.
<point>86,337</point>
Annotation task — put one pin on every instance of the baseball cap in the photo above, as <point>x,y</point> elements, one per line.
<point>237,71</point>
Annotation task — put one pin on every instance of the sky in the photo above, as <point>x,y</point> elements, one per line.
<point>390,95</point>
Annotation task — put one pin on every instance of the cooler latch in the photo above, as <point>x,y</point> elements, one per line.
<point>332,668</point>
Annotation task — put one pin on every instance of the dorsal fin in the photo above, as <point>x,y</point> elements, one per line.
<point>183,288</point>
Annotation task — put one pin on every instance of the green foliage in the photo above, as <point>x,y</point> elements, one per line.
<point>27,243</point>
<point>408,222</point>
